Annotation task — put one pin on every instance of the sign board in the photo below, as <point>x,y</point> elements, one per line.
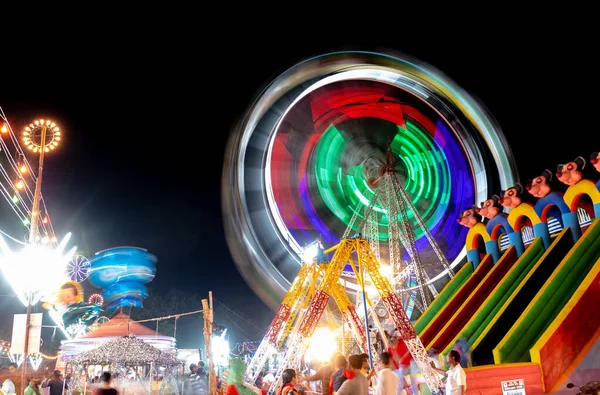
<point>17,344</point>
<point>513,387</point>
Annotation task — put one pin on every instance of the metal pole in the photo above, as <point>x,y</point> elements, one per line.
<point>150,378</point>
<point>344,331</point>
<point>364,294</point>
<point>65,380</point>
<point>35,208</point>
<point>207,342</point>
<point>211,365</point>
<point>26,345</point>
<point>35,215</point>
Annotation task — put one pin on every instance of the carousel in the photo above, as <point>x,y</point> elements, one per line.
<point>137,367</point>
<point>119,326</point>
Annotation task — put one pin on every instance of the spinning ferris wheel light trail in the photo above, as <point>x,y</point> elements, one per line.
<point>317,134</point>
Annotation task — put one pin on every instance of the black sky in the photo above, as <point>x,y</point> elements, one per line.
<point>146,115</point>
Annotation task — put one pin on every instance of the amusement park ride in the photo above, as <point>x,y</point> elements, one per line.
<point>379,156</point>
<point>304,304</point>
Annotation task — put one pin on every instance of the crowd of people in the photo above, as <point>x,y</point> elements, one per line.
<point>197,380</point>
<point>394,374</point>
<point>51,383</point>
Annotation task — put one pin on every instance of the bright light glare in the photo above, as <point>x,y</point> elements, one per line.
<point>322,345</point>
<point>220,350</point>
<point>386,271</point>
<point>310,253</point>
<point>36,270</point>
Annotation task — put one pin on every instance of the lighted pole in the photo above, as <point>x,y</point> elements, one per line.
<point>40,136</point>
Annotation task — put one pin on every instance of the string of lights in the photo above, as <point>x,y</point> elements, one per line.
<point>47,356</point>
<point>12,238</point>
<point>17,179</point>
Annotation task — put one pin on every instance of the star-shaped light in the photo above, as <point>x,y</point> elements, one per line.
<point>35,271</point>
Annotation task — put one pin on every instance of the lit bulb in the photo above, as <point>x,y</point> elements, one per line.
<point>48,122</point>
<point>19,185</point>
<point>46,149</point>
<point>27,129</point>
<point>23,169</point>
<point>35,149</point>
<point>42,121</point>
<point>30,146</point>
<point>25,139</point>
<point>56,129</point>
<point>4,129</point>
<point>45,240</point>
<point>57,138</point>
<point>53,125</point>
<point>51,147</point>
<point>54,239</point>
<point>45,220</point>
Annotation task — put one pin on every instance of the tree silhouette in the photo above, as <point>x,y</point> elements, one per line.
<point>189,328</point>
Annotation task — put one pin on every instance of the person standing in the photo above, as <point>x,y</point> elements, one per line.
<point>324,374</point>
<point>289,379</point>
<point>338,377</point>
<point>456,383</point>
<point>105,388</point>
<point>14,374</point>
<point>201,372</point>
<point>8,388</point>
<point>387,380</point>
<point>56,383</point>
<point>366,367</point>
<point>47,375</point>
<point>356,383</point>
<point>401,359</point>
<point>34,387</point>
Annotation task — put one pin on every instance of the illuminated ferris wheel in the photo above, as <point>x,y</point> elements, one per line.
<point>78,269</point>
<point>299,163</point>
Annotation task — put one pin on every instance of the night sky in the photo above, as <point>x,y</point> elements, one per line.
<point>146,119</point>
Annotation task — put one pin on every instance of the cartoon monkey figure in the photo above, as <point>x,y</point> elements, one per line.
<point>69,293</point>
<point>570,173</point>
<point>469,217</point>
<point>540,185</point>
<point>490,208</point>
<point>511,198</point>
<point>595,160</point>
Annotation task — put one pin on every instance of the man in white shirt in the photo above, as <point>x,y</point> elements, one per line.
<point>387,381</point>
<point>456,383</point>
